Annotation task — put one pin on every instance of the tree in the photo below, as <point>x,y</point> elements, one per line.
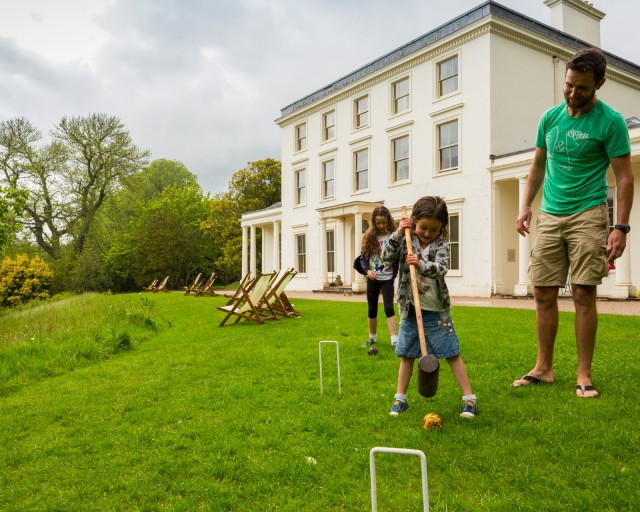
<point>164,238</point>
<point>11,205</point>
<point>69,179</point>
<point>255,187</point>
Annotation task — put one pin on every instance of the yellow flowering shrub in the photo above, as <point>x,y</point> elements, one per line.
<point>23,280</point>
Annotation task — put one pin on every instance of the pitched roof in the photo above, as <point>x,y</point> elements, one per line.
<point>456,24</point>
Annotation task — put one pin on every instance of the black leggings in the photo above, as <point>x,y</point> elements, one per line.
<point>374,287</point>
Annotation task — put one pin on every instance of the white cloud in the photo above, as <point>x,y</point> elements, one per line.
<point>201,81</point>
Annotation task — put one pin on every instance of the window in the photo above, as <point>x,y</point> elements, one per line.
<point>448,146</point>
<point>400,152</point>
<point>301,253</point>
<point>400,96</point>
<point>610,196</point>
<point>301,137</point>
<point>331,252</point>
<point>361,166</point>
<point>328,179</point>
<point>454,242</point>
<point>301,187</point>
<point>329,125</point>
<point>448,76</point>
<point>361,112</point>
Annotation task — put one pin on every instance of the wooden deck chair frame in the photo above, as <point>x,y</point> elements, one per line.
<point>193,285</point>
<point>162,286</point>
<point>249,302</point>
<point>245,282</point>
<point>206,288</point>
<point>151,287</point>
<point>284,300</point>
<point>273,297</point>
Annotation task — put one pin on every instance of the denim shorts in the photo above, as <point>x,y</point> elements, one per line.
<point>442,340</point>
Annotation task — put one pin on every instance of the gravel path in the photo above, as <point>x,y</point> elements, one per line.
<point>630,307</point>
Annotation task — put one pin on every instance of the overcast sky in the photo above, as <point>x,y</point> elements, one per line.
<point>202,81</point>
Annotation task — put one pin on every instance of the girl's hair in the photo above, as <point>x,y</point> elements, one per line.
<point>431,207</point>
<point>370,245</point>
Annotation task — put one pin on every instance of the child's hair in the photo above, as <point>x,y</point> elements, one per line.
<point>431,207</point>
<point>370,245</point>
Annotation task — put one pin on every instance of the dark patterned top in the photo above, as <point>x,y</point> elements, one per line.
<point>436,267</point>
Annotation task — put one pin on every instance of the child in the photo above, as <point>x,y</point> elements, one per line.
<point>428,224</point>
<point>380,275</point>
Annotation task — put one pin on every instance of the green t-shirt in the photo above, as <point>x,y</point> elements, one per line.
<point>578,156</point>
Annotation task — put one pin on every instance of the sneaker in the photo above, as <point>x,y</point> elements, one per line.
<point>369,343</point>
<point>469,410</point>
<point>398,408</point>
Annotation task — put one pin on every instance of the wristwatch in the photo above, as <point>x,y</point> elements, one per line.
<point>625,228</point>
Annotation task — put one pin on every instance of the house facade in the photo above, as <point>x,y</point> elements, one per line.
<point>453,113</point>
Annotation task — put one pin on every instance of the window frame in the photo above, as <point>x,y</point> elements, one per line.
<point>440,170</point>
<point>356,113</point>
<point>355,172</point>
<point>297,189</point>
<point>439,81</point>
<point>301,257</point>
<point>395,111</point>
<point>297,141</point>
<point>326,136</point>
<point>394,161</point>
<point>330,234</point>
<point>323,179</point>
<point>455,214</point>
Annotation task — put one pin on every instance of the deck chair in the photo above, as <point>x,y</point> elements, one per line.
<point>282,296</point>
<point>276,290</point>
<point>246,281</point>
<point>151,287</point>
<point>162,286</point>
<point>206,288</point>
<point>249,302</point>
<point>192,286</point>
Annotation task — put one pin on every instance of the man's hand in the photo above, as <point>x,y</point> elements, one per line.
<point>616,245</point>
<point>523,222</point>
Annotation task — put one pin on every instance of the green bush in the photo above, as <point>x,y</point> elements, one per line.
<point>23,280</point>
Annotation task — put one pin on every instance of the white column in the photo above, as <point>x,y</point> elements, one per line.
<point>245,266</point>
<point>322,249</point>
<point>358,284</point>
<point>524,248</point>
<point>252,255</point>
<point>263,244</point>
<point>623,284</point>
<point>276,245</point>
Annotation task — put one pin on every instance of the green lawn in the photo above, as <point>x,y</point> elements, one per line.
<point>198,417</point>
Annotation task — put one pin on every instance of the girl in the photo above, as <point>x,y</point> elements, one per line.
<point>428,224</point>
<point>380,275</point>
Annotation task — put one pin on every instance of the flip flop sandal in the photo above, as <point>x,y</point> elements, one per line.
<point>582,389</point>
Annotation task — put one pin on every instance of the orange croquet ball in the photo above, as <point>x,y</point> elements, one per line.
<point>432,422</point>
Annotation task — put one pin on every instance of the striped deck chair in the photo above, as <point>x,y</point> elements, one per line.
<point>249,302</point>
<point>276,291</point>
<point>162,286</point>
<point>207,289</point>
<point>192,286</point>
<point>151,287</point>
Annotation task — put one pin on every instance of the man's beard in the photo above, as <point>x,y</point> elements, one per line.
<point>581,103</point>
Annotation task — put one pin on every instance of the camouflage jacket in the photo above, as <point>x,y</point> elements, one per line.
<point>436,267</point>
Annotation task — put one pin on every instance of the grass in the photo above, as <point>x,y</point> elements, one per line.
<point>205,418</point>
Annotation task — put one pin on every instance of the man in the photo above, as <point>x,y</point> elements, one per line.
<point>575,144</point>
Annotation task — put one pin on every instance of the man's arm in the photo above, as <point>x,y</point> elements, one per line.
<point>624,195</point>
<point>534,181</point>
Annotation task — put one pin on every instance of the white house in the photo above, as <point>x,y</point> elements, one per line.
<point>452,113</point>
